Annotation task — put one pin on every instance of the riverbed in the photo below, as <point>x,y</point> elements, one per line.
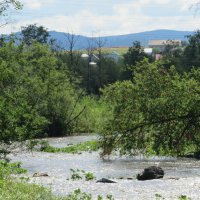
<point>182,176</point>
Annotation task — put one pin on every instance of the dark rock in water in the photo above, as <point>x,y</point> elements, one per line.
<point>151,173</point>
<point>105,180</point>
<point>197,155</point>
<point>40,174</point>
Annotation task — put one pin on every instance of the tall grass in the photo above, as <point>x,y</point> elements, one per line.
<point>11,190</point>
<point>94,116</point>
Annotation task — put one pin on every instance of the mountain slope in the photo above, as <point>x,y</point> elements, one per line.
<point>122,40</point>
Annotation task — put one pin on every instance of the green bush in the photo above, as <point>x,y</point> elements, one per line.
<point>78,195</point>
<point>77,148</point>
<point>36,96</point>
<point>158,111</point>
<point>6,169</point>
<point>94,116</point>
<point>81,174</point>
<point>10,190</point>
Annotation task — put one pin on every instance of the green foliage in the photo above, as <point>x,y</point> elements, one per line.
<point>19,118</point>
<point>134,55</point>
<point>191,54</point>
<point>78,195</point>
<point>157,111</point>
<point>159,196</point>
<point>77,148</point>
<point>91,78</point>
<point>36,144</point>
<point>33,33</point>
<point>10,190</point>
<point>89,176</point>
<point>6,169</point>
<point>35,94</point>
<point>110,197</point>
<point>43,144</point>
<point>76,174</point>
<point>31,144</point>
<point>184,197</point>
<point>80,174</point>
<point>96,113</point>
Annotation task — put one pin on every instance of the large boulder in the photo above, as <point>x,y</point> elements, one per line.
<point>149,173</point>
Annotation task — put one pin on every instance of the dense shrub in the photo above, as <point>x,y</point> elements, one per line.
<point>95,113</point>
<point>35,94</point>
<point>158,112</point>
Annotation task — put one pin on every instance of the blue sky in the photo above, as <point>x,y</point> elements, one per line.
<point>107,17</point>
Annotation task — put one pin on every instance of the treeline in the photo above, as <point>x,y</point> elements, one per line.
<point>136,103</point>
<point>104,69</point>
<point>39,94</point>
<point>36,96</point>
<point>108,70</point>
<point>157,112</point>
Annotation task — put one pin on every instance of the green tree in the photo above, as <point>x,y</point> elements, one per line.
<point>191,54</point>
<point>134,55</point>
<point>52,93</point>
<point>173,55</point>
<point>35,94</point>
<point>18,119</point>
<point>34,33</point>
<point>157,112</point>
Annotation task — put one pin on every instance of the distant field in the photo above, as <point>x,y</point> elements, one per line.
<point>108,50</point>
<point>119,50</point>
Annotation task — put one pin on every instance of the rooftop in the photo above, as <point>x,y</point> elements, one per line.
<point>164,42</point>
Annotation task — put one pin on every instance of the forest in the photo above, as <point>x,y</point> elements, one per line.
<point>49,92</point>
<point>136,104</point>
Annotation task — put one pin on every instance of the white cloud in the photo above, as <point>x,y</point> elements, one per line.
<point>36,4</point>
<point>125,18</point>
<point>33,4</point>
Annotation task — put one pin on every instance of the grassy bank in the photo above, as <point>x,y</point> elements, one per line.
<point>11,190</point>
<point>14,189</point>
<point>95,114</point>
<point>18,189</point>
<point>77,148</point>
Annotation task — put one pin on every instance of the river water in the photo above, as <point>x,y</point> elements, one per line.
<point>182,176</point>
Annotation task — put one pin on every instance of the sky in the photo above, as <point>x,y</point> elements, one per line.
<point>106,17</point>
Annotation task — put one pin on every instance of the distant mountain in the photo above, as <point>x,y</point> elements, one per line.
<point>124,40</point>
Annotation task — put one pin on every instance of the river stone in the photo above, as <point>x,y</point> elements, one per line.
<point>197,155</point>
<point>149,173</point>
<point>40,174</point>
<point>105,180</point>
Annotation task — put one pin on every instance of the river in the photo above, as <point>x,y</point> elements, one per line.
<point>182,176</point>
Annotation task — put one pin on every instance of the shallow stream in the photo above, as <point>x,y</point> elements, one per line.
<point>58,166</point>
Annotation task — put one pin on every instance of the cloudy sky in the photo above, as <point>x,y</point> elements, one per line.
<point>107,17</point>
